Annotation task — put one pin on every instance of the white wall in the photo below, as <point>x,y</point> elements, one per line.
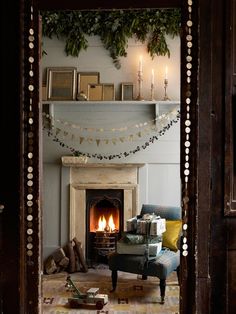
<point>129,65</point>
<point>159,179</point>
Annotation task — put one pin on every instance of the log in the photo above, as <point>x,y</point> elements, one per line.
<point>71,255</point>
<point>78,248</point>
<point>50,265</point>
<point>58,255</point>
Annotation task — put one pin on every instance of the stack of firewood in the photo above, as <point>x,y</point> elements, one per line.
<point>69,258</point>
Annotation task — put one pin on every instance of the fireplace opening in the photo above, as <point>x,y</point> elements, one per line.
<point>104,216</point>
<point>104,210</point>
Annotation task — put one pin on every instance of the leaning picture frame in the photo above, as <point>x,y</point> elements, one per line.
<point>95,92</point>
<point>127,91</point>
<point>108,91</point>
<point>84,79</point>
<point>61,83</point>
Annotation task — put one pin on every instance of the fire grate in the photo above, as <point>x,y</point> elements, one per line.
<point>104,243</point>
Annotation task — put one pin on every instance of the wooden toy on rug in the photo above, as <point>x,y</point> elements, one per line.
<point>91,297</point>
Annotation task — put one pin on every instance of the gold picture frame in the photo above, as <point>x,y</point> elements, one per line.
<point>61,83</point>
<point>108,91</point>
<point>127,91</point>
<point>86,78</point>
<point>95,92</point>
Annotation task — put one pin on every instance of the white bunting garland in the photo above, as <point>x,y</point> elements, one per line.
<point>90,140</point>
<point>147,128</point>
<point>162,119</point>
<point>76,152</point>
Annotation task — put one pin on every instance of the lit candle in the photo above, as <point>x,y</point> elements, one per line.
<point>152,81</point>
<point>166,73</point>
<point>140,63</point>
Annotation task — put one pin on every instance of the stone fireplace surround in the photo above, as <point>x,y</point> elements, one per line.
<point>85,176</point>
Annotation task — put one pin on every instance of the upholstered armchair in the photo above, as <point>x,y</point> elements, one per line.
<point>165,262</point>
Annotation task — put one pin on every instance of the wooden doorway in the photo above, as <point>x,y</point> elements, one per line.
<point>30,229</point>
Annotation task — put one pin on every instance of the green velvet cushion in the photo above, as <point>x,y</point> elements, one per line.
<point>172,234</point>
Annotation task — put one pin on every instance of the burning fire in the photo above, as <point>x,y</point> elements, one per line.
<point>104,226</point>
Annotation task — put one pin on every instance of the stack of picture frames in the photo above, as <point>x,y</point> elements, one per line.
<point>65,83</point>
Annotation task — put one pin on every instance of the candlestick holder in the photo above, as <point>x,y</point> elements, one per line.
<point>165,88</point>
<point>140,83</point>
<point>152,91</point>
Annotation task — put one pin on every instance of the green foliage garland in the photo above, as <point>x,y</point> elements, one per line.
<point>114,28</point>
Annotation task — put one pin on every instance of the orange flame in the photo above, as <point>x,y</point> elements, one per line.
<point>111,223</point>
<point>102,223</point>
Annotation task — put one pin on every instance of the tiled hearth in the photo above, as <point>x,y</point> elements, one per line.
<point>87,176</point>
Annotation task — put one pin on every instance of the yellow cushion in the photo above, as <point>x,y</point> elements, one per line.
<point>171,235</point>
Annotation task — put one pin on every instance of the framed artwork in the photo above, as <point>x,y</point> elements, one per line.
<point>61,83</point>
<point>127,91</point>
<point>95,91</point>
<point>86,78</point>
<point>108,92</point>
<point>44,92</point>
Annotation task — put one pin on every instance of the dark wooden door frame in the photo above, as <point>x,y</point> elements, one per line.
<point>198,271</point>
<point>31,146</point>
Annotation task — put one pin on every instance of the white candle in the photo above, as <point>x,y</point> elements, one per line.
<point>152,80</point>
<point>166,73</point>
<point>140,63</point>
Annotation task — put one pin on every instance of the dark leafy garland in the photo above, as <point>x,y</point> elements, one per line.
<point>114,28</point>
<point>120,155</point>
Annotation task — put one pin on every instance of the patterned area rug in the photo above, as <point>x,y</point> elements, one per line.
<point>132,296</point>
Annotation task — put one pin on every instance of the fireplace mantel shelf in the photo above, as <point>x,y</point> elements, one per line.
<point>70,161</point>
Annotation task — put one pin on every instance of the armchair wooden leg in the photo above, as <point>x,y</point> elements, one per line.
<point>163,290</point>
<point>114,280</point>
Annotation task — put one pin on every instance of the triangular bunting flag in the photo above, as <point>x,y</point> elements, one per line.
<point>81,139</point>
<point>58,131</point>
